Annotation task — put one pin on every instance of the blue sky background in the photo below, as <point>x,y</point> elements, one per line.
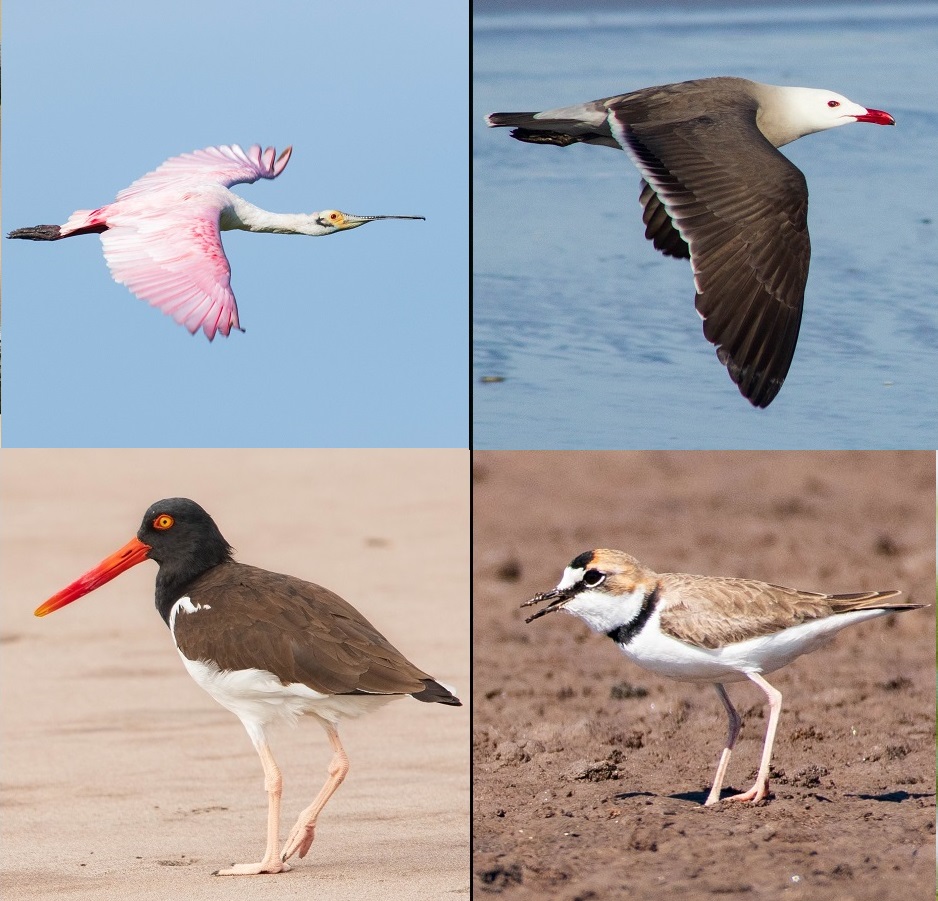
<point>359,339</point>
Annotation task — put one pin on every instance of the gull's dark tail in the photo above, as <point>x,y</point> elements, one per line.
<point>499,120</point>
<point>585,123</point>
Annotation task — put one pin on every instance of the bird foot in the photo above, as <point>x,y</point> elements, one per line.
<point>299,841</point>
<point>759,792</point>
<point>755,794</point>
<point>255,869</point>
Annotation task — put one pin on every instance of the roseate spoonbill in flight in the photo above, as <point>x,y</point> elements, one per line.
<point>162,235</point>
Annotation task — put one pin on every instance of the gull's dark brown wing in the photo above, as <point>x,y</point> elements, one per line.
<point>743,218</point>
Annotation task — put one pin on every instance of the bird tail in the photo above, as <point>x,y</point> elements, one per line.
<point>531,130</point>
<point>81,222</point>
<point>38,233</point>
<point>585,123</point>
<point>499,120</point>
<point>437,693</point>
<point>870,600</point>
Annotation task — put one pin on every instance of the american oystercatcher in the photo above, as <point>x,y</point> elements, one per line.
<point>266,646</point>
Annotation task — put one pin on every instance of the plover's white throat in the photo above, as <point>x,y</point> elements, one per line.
<point>708,629</point>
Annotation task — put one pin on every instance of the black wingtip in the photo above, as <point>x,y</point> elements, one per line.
<point>434,693</point>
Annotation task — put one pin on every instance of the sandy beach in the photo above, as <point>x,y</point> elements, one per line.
<point>123,779</point>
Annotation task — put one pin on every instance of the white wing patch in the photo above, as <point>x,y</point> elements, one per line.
<point>185,604</point>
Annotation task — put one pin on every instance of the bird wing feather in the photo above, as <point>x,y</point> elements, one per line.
<point>744,219</point>
<point>172,257</point>
<point>712,611</point>
<point>315,637</point>
<point>225,165</point>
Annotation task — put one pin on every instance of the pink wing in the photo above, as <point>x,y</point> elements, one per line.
<point>226,165</point>
<point>162,238</point>
<point>174,260</point>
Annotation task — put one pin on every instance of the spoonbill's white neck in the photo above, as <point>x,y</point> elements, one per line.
<point>240,214</point>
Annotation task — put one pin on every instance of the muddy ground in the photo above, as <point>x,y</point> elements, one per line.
<point>590,773</point>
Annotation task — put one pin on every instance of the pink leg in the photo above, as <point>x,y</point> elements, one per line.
<point>761,787</point>
<point>302,834</point>
<point>732,733</point>
<point>273,783</point>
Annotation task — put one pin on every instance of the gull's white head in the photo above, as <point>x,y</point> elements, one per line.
<point>802,111</point>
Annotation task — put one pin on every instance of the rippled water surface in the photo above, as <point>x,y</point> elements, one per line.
<point>594,334</point>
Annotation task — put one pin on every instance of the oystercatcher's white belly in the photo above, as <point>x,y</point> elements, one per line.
<point>258,697</point>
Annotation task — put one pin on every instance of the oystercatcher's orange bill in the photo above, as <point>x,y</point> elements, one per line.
<point>132,553</point>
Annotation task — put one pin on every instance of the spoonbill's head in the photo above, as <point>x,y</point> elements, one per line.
<point>331,221</point>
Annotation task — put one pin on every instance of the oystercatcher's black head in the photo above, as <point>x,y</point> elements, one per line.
<point>185,541</point>
<point>178,534</point>
<point>182,536</point>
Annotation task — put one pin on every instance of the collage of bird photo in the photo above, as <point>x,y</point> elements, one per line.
<point>601,436</point>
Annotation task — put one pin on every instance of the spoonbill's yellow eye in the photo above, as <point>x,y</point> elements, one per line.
<point>163,522</point>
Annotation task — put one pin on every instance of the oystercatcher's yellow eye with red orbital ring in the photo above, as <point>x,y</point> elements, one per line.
<point>163,522</point>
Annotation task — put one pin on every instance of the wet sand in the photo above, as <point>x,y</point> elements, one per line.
<point>590,773</point>
<point>123,779</point>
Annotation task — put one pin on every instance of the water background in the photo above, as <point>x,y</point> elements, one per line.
<point>595,333</point>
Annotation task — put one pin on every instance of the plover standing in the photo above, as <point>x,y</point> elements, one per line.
<point>708,629</point>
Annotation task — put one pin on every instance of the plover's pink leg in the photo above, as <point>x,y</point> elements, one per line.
<point>761,787</point>
<point>732,733</point>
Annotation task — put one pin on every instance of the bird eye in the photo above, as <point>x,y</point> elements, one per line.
<point>593,578</point>
<point>833,104</point>
<point>163,522</point>
<point>334,217</point>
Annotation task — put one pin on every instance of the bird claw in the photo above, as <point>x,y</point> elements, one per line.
<point>299,841</point>
<point>755,794</point>
<point>255,869</point>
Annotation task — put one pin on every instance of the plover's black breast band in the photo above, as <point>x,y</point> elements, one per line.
<point>627,631</point>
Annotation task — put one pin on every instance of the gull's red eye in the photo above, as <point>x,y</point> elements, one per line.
<point>833,104</point>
